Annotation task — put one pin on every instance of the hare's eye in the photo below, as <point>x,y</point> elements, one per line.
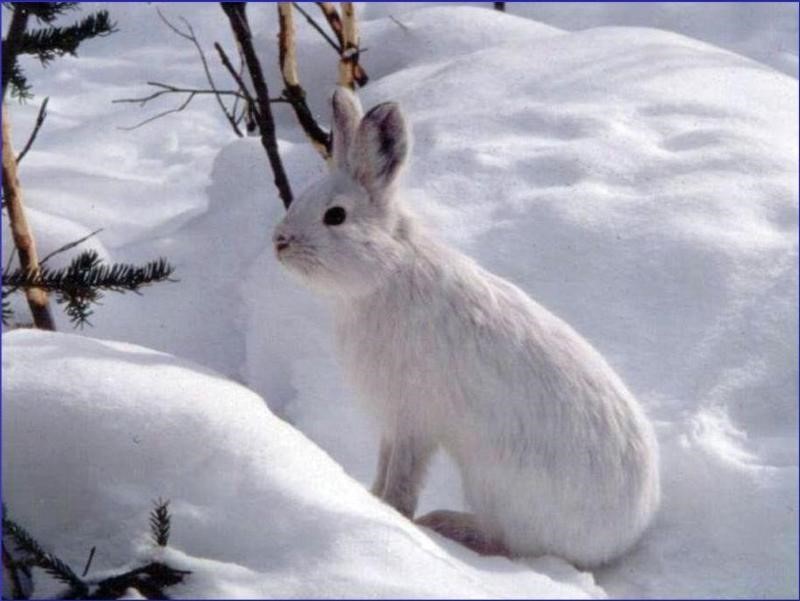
<point>334,216</point>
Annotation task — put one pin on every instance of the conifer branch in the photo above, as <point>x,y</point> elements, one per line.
<point>160,523</point>
<point>12,73</point>
<point>46,12</point>
<point>49,562</point>
<point>50,42</point>
<point>150,579</point>
<point>79,285</point>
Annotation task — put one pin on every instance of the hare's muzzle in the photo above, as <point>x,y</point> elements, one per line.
<point>281,242</point>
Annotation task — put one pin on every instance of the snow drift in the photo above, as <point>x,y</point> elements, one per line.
<point>92,430</point>
<point>640,184</point>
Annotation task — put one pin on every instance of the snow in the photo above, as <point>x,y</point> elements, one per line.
<point>254,501</point>
<point>641,184</point>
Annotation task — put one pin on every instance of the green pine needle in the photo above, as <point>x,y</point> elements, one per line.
<point>48,43</point>
<point>49,562</point>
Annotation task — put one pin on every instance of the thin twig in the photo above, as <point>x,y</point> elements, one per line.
<point>399,23</point>
<point>318,27</point>
<point>178,109</point>
<point>237,77</point>
<point>238,119</point>
<point>167,22</point>
<point>39,121</point>
<point>170,89</point>
<point>68,246</point>
<point>193,38</point>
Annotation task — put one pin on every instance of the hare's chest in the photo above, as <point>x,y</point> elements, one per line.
<point>393,358</point>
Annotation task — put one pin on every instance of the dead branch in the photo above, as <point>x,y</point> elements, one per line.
<point>177,109</point>
<point>66,247</point>
<point>318,27</point>
<point>237,76</point>
<point>293,91</point>
<point>353,71</point>
<point>399,23</point>
<point>37,126</point>
<point>332,16</point>
<point>166,88</point>
<point>249,109</point>
<point>348,64</point>
<point>189,35</point>
<point>191,93</point>
<point>237,15</point>
<point>21,231</point>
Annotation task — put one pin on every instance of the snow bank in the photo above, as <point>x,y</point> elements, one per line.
<point>94,430</point>
<point>764,31</point>
<point>641,184</point>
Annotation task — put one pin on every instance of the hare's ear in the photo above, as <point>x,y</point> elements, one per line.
<point>380,147</point>
<point>347,114</point>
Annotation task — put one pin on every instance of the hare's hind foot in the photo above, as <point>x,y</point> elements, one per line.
<point>462,528</point>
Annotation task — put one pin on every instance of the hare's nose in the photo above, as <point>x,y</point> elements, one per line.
<point>281,241</point>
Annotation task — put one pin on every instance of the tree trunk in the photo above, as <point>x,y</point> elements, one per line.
<point>21,232</point>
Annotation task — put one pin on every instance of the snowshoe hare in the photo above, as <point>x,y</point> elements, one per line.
<point>555,454</point>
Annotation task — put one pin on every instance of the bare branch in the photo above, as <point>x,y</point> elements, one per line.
<point>237,77</point>
<point>193,38</point>
<point>293,91</point>
<point>353,67</point>
<point>68,246</point>
<point>170,89</point>
<point>350,72</point>
<point>37,126</point>
<point>399,23</point>
<point>178,109</point>
<point>318,27</point>
<point>88,562</point>
<point>237,15</point>
<point>175,30</point>
<point>332,16</point>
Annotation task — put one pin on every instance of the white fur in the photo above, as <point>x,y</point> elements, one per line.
<point>556,455</point>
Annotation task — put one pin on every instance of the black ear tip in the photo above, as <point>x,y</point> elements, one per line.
<point>383,110</point>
